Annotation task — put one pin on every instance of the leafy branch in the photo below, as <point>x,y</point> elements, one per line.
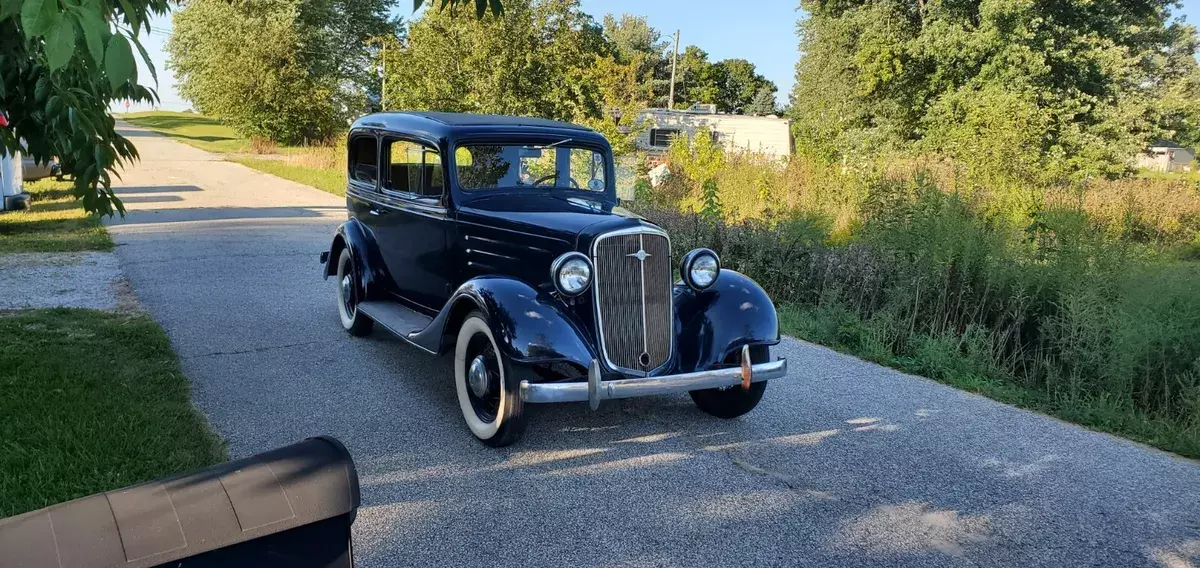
<point>62,63</point>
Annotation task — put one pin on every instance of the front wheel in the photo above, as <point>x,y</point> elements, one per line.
<point>488,393</point>
<point>731,402</point>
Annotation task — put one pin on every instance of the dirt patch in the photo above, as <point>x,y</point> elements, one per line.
<point>126,300</point>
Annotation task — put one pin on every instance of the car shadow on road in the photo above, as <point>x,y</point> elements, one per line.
<point>654,462</point>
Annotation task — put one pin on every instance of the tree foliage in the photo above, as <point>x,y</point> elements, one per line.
<point>1066,88</point>
<point>635,41</point>
<point>740,85</point>
<point>763,102</point>
<point>61,65</point>
<point>284,70</point>
<point>543,58</point>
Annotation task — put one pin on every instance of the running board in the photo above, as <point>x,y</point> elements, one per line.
<point>396,318</point>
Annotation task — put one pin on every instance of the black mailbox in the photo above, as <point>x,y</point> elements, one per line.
<point>291,507</point>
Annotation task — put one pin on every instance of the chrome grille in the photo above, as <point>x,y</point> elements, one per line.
<point>633,299</point>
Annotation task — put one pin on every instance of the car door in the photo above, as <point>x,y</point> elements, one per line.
<point>411,222</point>
<point>362,165</point>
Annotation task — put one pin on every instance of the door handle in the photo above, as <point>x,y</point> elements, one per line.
<point>375,212</point>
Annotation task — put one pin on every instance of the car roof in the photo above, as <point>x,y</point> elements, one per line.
<point>409,119</point>
<point>454,124</point>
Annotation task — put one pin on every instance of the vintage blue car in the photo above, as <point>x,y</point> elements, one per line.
<point>500,239</point>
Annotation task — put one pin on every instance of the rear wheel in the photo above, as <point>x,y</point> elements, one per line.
<point>731,402</point>
<point>488,392</point>
<point>353,321</point>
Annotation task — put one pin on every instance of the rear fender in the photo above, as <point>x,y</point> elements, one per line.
<point>718,321</point>
<point>372,275</point>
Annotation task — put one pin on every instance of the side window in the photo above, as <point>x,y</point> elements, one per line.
<point>362,159</point>
<point>413,168</point>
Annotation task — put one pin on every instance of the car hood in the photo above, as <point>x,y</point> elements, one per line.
<point>569,222</point>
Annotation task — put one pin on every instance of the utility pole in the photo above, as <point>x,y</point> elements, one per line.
<point>383,84</point>
<point>674,61</point>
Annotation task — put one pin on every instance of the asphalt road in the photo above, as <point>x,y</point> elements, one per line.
<point>845,463</point>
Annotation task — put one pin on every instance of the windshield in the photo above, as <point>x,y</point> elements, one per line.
<point>558,165</point>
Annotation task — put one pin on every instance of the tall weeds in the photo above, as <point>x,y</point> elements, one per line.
<point>1070,292</point>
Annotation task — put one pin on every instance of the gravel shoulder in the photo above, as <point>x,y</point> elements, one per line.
<point>66,279</point>
<point>845,463</point>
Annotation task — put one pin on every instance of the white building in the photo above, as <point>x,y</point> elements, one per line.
<point>769,135</point>
<point>1163,156</point>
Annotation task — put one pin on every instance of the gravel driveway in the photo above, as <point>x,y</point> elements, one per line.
<point>845,463</point>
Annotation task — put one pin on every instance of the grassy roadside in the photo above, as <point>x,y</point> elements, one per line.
<point>291,163</point>
<point>946,363</point>
<point>197,130</point>
<point>92,401</point>
<point>331,181</point>
<point>89,400</point>
<point>54,222</point>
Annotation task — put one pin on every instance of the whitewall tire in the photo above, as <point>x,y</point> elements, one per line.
<point>488,393</point>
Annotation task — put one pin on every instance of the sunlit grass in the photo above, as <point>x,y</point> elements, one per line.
<point>91,401</point>
<point>54,222</point>
<point>195,129</point>
<point>332,181</point>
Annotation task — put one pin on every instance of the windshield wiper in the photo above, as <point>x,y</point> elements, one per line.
<point>560,142</point>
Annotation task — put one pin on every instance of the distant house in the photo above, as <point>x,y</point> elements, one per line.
<point>1164,156</point>
<point>769,135</point>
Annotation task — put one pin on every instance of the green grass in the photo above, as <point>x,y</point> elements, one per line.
<point>945,362</point>
<point>210,134</point>
<point>332,181</point>
<point>54,222</point>
<point>197,130</point>
<point>92,401</point>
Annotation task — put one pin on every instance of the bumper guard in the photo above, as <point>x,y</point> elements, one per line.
<point>596,390</point>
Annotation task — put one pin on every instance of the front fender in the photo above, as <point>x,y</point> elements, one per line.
<point>718,321</point>
<point>530,325</point>
<point>372,274</point>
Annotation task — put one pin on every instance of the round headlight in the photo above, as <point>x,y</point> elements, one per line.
<point>571,273</point>
<point>700,268</point>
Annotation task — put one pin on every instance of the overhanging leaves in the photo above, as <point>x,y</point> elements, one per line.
<point>60,43</point>
<point>118,61</point>
<point>38,16</point>
<point>95,29</point>
<point>57,88</point>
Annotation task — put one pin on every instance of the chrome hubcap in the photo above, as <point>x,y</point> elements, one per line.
<point>477,377</point>
<point>347,294</point>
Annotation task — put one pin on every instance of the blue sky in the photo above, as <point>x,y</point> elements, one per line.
<point>761,31</point>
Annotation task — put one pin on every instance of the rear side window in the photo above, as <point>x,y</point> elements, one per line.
<point>413,168</point>
<point>363,165</point>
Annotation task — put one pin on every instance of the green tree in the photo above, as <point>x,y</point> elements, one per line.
<point>1086,76</point>
<point>740,84</point>
<point>284,70</point>
<point>481,6</point>
<point>535,59</point>
<point>634,40</point>
<point>764,101</point>
<point>61,66</point>
<point>697,79</point>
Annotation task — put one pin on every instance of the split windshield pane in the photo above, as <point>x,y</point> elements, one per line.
<point>492,166</point>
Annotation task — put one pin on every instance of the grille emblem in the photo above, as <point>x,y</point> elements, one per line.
<point>641,255</point>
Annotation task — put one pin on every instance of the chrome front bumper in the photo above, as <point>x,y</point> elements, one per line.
<point>596,390</point>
